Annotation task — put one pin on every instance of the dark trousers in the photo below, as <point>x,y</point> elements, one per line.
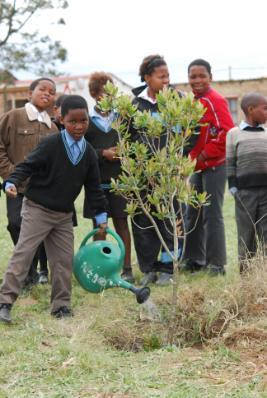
<point>56,230</point>
<point>147,244</point>
<point>251,221</point>
<point>14,206</point>
<point>206,243</point>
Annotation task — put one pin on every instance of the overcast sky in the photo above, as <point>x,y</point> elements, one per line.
<point>115,35</point>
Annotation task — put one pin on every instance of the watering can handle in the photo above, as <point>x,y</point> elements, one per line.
<point>108,231</point>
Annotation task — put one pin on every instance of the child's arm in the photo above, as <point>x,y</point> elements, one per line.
<point>6,166</point>
<point>223,122</point>
<point>231,159</point>
<point>24,170</point>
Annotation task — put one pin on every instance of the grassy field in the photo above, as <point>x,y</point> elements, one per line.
<point>113,349</point>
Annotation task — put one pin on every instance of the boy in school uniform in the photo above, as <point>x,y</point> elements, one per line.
<point>246,154</point>
<point>20,131</point>
<point>57,170</point>
<point>104,139</point>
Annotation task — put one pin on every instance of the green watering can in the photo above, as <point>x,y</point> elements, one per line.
<point>97,266</point>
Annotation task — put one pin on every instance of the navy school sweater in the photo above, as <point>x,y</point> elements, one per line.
<point>144,105</point>
<point>101,140</point>
<point>54,181</point>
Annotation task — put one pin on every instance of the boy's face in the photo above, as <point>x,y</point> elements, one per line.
<point>76,122</point>
<point>199,79</point>
<point>258,113</point>
<point>159,79</point>
<point>43,96</point>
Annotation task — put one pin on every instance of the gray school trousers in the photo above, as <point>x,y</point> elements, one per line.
<point>56,230</point>
<point>206,243</point>
<point>251,221</point>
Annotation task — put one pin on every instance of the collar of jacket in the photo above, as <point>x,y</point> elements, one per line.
<point>33,115</point>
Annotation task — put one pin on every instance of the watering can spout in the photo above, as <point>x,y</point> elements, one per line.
<point>141,294</point>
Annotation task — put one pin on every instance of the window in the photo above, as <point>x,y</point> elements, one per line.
<point>233,106</point>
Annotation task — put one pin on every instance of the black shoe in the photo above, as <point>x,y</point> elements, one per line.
<point>192,266</point>
<point>150,277</point>
<point>215,270</point>
<point>62,312</point>
<point>127,275</point>
<point>5,315</point>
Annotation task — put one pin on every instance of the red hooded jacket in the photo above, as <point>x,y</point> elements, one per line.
<point>212,138</point>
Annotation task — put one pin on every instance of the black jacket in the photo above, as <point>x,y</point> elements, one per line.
<point>144,105</point>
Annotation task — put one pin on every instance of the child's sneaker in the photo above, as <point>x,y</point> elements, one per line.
<point>43,279</point>
<point>150,277</point>
<point>164,279</point>
<point>5,315</point>
<point>215,270</point>
<point>62,312</point>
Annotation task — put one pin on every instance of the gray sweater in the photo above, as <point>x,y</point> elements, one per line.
<point>246,158</point>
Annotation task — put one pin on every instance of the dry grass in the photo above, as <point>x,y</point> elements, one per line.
<point>113,348</point>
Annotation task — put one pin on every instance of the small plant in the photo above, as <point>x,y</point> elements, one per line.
<point>154,177</point>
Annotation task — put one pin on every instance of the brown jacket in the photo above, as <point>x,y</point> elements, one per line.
<point>19,135</point>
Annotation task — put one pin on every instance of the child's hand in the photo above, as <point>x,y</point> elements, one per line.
<point>11,191</point>
<point>110,154</point>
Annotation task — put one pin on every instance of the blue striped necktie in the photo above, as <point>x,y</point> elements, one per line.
<point>75,151</point>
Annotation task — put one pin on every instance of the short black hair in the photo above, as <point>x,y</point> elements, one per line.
<point>35,83</point>
<point>200,62</point>
<point>149,64</point>
<point>251,99</point>
<point>73,102</point>
<point>60,99</point>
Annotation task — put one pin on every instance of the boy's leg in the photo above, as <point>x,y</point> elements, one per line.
<point>195,250</point>
<point>31,234</point>
<point>59,246</point>
<point>147,244</point>
<point>246,203</point>
<point>122,229</point>
<point>262,218</point>
<point>214,180</point>
<point>42,259</point>
<point>14,206</point>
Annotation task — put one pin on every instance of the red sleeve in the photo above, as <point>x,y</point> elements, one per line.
<point>222,120</point>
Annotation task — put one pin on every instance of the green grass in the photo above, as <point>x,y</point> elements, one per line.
<point>109,350</point>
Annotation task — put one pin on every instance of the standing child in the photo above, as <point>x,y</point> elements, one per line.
<point>20,132</point>
<point>205,245</point>
<point>56,118</point>
<point>57,169</point>
<point>246,153</point>
<point>57,112</point>
<point>155,74</point>
<point>104,139</point>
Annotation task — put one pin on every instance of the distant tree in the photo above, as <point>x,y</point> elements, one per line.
<point>22,49</point>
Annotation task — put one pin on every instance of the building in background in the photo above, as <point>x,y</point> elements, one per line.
<point>14,93</point>
<point>233,91</point>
